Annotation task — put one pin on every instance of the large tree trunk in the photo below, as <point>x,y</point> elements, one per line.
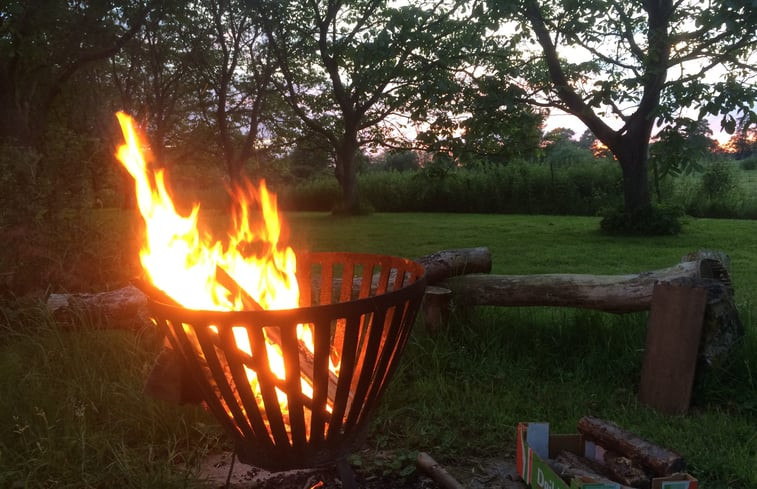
<point>346,174</point>
<point>632,156</point>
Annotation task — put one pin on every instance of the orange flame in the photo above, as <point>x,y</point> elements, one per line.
<point>184,264</point>
<point>189,266</point>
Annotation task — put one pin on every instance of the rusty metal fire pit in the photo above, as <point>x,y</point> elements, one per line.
<point>360,309</point>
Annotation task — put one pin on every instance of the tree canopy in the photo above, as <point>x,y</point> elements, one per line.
<point>345,67</point>
<point>237,81</point>
<point>624,67</point>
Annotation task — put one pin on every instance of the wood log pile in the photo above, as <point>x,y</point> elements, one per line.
<point>616,455</point>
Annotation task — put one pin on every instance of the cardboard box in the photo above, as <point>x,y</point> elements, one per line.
<point>535,444</point>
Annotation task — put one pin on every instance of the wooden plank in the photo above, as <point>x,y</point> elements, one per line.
<point>674,330</point>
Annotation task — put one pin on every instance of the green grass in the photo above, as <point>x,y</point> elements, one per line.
<point>72,409</point>
<point>73,413</point>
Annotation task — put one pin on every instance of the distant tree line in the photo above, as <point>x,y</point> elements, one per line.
<point>274,88</point>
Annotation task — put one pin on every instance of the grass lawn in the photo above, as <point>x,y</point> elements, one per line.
<point>72,408</point>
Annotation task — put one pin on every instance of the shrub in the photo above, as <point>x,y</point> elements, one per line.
<point>718,180</point>
<point>318,194</point>
<point>749,163</point>
<point>516,188</point>
<point>646,221</point>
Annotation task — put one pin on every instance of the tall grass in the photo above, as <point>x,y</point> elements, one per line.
<point>74,415</point>
<point>516,188</point>
<point>722,189</point>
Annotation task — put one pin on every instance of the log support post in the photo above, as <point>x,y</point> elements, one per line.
<point>437,306</point>
<point>674,330</point>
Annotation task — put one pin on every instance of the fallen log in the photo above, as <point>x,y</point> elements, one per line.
<point>722,329</point>
<point>127,308</point>
<point>124,308</point>
<point>661,461</point>
<point>438,473</point>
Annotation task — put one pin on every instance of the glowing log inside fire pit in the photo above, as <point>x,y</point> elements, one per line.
<point>276,423</point>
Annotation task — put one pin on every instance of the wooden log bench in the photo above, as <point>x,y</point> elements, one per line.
<point>693,321</point>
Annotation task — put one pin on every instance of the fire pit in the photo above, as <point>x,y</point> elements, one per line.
<point>291,353</point>
<point>302,394</point>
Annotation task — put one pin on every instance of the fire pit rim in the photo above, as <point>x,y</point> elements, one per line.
<point>295,311</point>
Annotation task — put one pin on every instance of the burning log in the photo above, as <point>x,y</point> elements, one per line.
<point>228,282</point>
<point>659,460</point>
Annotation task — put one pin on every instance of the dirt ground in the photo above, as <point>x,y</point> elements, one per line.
<point>489,473</point>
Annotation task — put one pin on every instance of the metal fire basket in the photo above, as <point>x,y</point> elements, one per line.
<point>360,308</point>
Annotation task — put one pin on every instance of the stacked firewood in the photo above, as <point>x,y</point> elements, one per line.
<point>618,456</point>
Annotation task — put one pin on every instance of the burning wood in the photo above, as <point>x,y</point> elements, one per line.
<point>228,282</point>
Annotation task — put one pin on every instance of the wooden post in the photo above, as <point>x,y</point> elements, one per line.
<point>674,330</point>
<point>437,304</point>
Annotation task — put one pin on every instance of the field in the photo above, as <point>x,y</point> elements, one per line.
<point>73,413</point>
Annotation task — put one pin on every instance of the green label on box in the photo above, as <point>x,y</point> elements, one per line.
<point>542,476</point>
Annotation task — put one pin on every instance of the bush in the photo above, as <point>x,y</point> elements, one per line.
<point>719,180</point>
<point>749,163</point>
<point>515,188</point>
<point>318,194</point>
<point>646,221</point>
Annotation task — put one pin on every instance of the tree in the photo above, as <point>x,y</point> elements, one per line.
<point>400,160</point>
<point>743,142</point>
<point>607,57</point>
<point>484,122</point>
<point>235,64</point>
<point>679,150</point>
<point>587,139</point>
<point>153,75</point>
<point>344,67</point>
<point>43,45</point>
